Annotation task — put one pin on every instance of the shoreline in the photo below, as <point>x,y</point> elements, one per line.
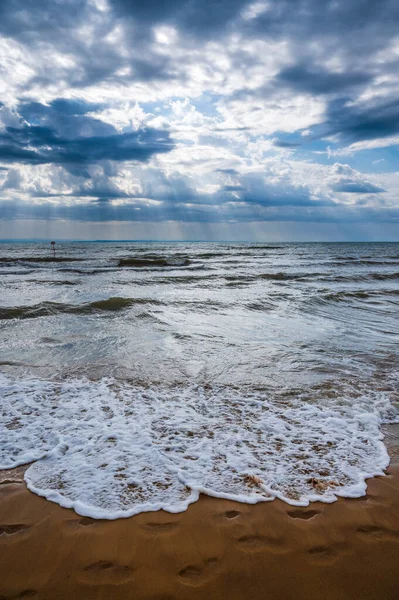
<point>217,549</point>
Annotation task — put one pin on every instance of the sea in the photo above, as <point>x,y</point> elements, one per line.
<point>137,376</point>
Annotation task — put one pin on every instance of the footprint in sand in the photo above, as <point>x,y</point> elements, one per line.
<point>106,572</point>
<point>232,514</point>
<point>195,575</point>
<point>327,553</point>
<point>303,514</point>
<point>23,594</point>
<point>13,529</point>
<point>76,524</point>
<point>257,543</point>
<point>162,528</point>
<point>379,533</point>
<point>227,517</point>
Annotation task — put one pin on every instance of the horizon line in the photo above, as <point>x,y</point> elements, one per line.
<point>199,241</point>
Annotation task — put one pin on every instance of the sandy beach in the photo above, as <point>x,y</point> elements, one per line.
<point>217,549</point>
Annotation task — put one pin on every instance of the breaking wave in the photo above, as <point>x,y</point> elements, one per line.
<point>45,309</point>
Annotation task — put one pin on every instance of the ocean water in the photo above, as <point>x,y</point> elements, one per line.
<point>135,376</point>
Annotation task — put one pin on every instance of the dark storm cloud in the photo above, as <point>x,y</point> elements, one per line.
<point>50,148</point>
<point>330,21</point>
<point>355,187</point>
<point>63,134</point>
<point>319,81</point>
<point>67,117</point>
<point>29,18</point>
<point>359,123</point>
<point>198,17</point>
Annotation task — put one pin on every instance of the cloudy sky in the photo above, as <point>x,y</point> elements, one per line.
<point>199,119</point>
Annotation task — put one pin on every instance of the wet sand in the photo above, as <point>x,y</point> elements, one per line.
<point>217,549</point>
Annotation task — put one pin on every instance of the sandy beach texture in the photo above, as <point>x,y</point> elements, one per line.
<point>217,549</point>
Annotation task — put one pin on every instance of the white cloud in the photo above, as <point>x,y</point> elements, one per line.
<point>283,112</point>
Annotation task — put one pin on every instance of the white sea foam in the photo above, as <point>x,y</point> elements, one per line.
<point>111,450</point>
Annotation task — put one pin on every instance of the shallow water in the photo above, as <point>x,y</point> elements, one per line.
<point>138,375</point>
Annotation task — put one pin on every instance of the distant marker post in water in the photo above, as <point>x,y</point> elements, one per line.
<point>53,247</point>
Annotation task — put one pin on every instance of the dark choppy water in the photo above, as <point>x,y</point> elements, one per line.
<point>141,374</point>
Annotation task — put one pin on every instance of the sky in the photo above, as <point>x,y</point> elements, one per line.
<point>199,119</point>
